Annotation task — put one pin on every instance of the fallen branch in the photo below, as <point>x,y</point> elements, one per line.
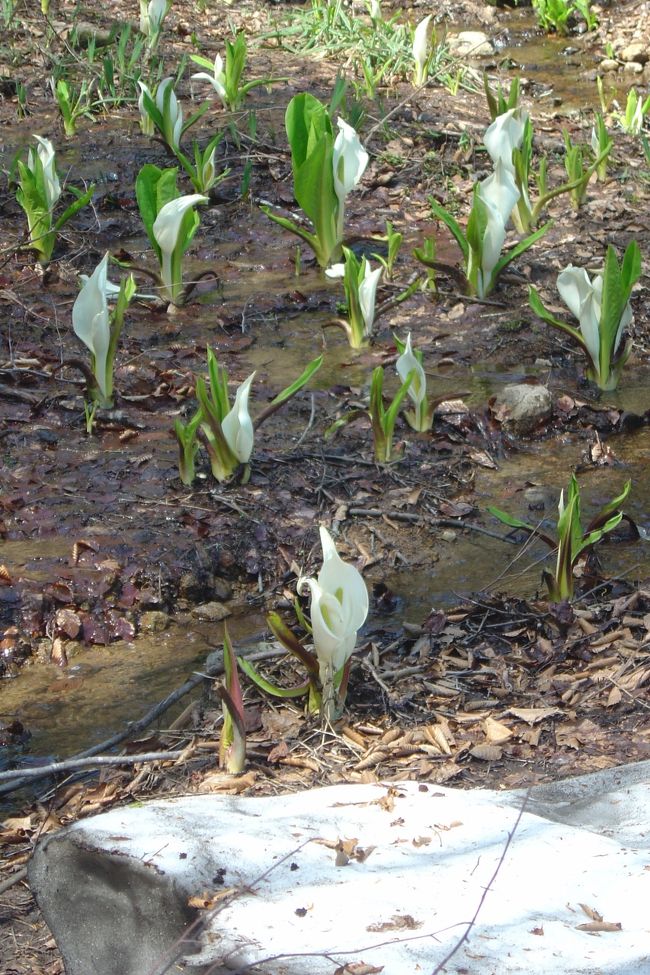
<point>74,764</point>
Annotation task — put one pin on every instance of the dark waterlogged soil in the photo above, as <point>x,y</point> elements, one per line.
<point>98,535</point>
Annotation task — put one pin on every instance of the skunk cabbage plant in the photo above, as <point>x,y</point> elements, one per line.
<point>421,51</point>
<point>339,607</point>
<point>99,329</point>
<point>325,170</point>
<point>602,306</point>
<point>360,283</point>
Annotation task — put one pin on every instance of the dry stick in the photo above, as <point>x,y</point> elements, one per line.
<point>73,764</point>
<point>13,880</point>
<point>440,522</point>
<point>445,961</point>
<point>134,728</point>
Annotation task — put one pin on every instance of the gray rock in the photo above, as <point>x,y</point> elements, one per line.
<point>115,888</point>
<point>212,612</point>
<point>633,67</point>
<point>609,64</point>
<point>522,407</point>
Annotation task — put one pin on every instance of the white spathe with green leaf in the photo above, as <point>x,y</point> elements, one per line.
<point>421,50</point>
<point>494,199</point>
<point>368,294</point>
<point>167,230</point>
<point>91,322</point>
<point>237,425</point>
<point>602,306</point>
<point>147,124</point>
<point>47,158</point>
<point>408,364</point>
<point>152,14</point>
<point>171,111</point>
<point>217,79</point>
<point>339,607</point>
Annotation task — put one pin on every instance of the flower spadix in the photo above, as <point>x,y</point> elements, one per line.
<point>171,232</point>
<point>421,50</point>
<point>339,606</point>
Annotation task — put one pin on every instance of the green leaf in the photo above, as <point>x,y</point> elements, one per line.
<point>446,217</point>
<point>74,208</point>
<point>301,381</point>
<point>290,641</point>
<point>513,522</point>
<point>266,686</point>
<point>146,194</point>
<point>519,249</point>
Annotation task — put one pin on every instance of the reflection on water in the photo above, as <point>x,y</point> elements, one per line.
<point>103,688</point>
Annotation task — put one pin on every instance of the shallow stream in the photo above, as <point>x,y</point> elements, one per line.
<point>69,709</point>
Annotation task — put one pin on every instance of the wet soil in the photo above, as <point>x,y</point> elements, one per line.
<point>108,558</point>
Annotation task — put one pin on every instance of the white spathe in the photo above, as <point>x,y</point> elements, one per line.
<point>583,298</point>
<point>146,122</point>
<point>237,425</point>
<point>217,79</point>
<point>421,49</point>
<point>349,160</point>
<point>152,15</point>
<point>173,117</point>
<point>339,606</point>
<point>368,295</point>
<point>409,363</point>
<point>46,155</point>
<point>166,230</point>
<point>500,191</point>
<point>505,134</point>
<point>91,320</point>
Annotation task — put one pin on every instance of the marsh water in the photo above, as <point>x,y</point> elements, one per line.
<point>67,709</point>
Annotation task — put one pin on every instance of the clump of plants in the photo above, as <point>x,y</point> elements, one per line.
<point>573,541</point>
<point>228,431</point>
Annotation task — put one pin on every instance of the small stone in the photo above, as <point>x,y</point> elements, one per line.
<point>222,589</point>
<point>154,621</point>
<point>525,407</point>
<point>635,52</point>
<point>470,43</point>
<point>609,64</point>
<point>211,612</point>
<point>633,67</point>
<point>448,535</point>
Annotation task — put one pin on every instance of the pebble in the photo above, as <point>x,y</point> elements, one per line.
<point>635,52</point>
<point>211,612</point>
<point>154,621</point>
